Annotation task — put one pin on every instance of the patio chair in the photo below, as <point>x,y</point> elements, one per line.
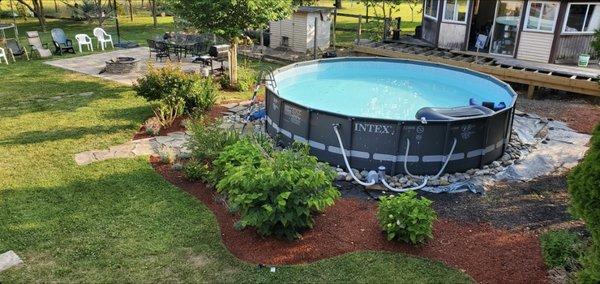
<point>16,49</point>
<point>151,47</point>
<point>162,50</point>
<point>3,55</point>
<point>103,38</point>
<point>61,42</point>
<point>84,40</point>
<point>36,45</point>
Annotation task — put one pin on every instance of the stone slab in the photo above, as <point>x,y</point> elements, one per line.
<point>9,260</point>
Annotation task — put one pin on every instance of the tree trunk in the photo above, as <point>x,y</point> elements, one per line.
<point>38,11</point>
<point>233,66</point>
<point>154,12</point>
<point>338,4</point>
<point>130,10</point>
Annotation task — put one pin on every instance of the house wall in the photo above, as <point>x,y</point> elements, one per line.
<point>323,31</point>
<point>430,30</point>
<point>570,46</point>
<point>294,29</point>
<point>452,35</point>
<point>535,46</point>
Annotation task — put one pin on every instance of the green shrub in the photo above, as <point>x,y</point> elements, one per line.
<point>596,43</point>
<point>406,218</point>
<point>275,192</point>
<point>208,139</point>
<point>167,111</point>
<point>243,152</point>
<point>202,94</point>
<point>247,79</point>
<point>171,83</point>
<point>584,190</point>
<point>196,170</point>
<point>560,248</point>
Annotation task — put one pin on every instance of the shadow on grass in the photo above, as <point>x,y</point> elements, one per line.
<point>33,137</point>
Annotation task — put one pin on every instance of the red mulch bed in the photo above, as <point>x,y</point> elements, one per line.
<point>487,254</point>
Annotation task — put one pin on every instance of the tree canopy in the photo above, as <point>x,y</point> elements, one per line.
<point>229,18</point>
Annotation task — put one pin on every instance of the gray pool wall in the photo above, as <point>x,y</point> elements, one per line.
<point>371,143</point>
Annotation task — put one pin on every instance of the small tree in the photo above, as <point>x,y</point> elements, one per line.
<point>230,18</point>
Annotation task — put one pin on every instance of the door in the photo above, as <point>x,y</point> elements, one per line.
<point>506,27</point>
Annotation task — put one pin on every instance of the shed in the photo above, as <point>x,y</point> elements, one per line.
<point>298,32</point>
<point>549,31</point>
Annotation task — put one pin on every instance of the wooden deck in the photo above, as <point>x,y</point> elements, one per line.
<point>558,77</point>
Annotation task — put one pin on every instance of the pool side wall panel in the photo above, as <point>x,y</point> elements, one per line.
<point>371,143</point>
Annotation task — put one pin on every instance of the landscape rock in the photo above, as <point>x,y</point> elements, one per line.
<point>9,260</point>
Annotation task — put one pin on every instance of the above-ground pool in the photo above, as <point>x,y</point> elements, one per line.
<point>400,114</point>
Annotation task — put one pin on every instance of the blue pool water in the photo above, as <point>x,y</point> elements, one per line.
<point>385,89</point>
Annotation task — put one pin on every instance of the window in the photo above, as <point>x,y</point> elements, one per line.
<point>431,8</point>
<point>541,16</point>
<point>456,10</point>
<point>582,18</point>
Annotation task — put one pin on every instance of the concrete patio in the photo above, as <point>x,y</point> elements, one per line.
<point>95,63</point>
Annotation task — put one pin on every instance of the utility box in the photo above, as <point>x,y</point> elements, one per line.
<point>298,32</point>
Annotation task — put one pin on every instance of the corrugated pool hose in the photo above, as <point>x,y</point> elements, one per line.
<point>382,169</point>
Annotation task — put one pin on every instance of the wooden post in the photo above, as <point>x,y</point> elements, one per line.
<point>262,40</point>
<point>315,38</point>
<point>333,27</point>
<point>367,18</point>
<point>530,91</point>
<point>359,31</point>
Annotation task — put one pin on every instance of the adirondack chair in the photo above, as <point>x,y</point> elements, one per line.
<point>103,38</point>
<point>61,42</point>
<point>16,49</point>
<point>3,55</point>
<point>36,45</point>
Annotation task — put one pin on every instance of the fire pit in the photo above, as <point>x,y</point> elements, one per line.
<point>121,65</point>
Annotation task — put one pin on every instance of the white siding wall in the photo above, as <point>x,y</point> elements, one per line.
<point>323,31</point>
<point>452,35</point>
<point>298,33</point>
<point>535,46</point>
<point>279,29</point>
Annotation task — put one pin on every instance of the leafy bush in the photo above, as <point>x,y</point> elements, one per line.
<point>196,170</point>
<point>560,248</point>
<point>202,94</point>
<point>596,43</point>
<point>275,192</point>
<point>407,218</point>
<point>208,139</point>
<point>247,79</point>
<point>167,111</point>
<point>584,190</point>
<point>171,83</point>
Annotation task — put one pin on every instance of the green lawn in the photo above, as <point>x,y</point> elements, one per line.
<point>119,221</point>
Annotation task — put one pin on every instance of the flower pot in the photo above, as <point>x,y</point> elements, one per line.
<point>584,60</point>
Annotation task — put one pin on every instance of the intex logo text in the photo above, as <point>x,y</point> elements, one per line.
<point>373,128</point>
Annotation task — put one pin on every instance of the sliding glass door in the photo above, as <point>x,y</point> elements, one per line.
<point>506,27</point>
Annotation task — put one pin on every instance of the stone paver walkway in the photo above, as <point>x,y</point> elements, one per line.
<point>174,142</point>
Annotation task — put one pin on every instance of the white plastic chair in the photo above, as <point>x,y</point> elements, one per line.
<point>3,55</point>
<point>103,38</point>
<point>84,40</point>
